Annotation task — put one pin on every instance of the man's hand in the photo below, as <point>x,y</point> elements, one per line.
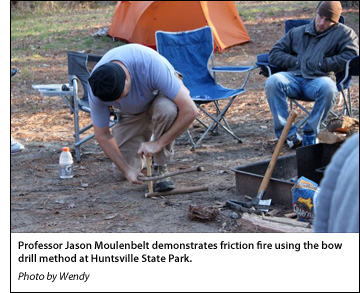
<point>132,176</point>
<point>110,148</point>
<point>149,149</point>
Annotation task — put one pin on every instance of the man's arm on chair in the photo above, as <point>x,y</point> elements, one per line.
<point>348,47</point>
<point>281,54</point>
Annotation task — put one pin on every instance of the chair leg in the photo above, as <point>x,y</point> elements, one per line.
<point>226,123</point>
<point>218,111</point>
<point>216,122</point>
<point>76,120</point>
<point>213,130</point>
<point>334,114</point>
<point>202,123</point>
<point>191,140</point>
<point>221,117</point>
<point>349,103</point>
<point>195,145</point>
<point>346,96</point>
<point>306,118</point>
<point>69,101</point>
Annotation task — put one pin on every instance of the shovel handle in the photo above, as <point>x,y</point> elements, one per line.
<point>279,145</point>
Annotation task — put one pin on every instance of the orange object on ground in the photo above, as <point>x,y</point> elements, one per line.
<point>137,21</point>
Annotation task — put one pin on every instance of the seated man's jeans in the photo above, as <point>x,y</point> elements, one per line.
<point>280,85</point>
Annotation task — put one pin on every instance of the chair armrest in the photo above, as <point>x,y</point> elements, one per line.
<point>353,64</point>
<point>236,69</point>
<point>233,68</point>
<point>52,89</point>
<point>94,58</point>
<point>267,69</point>
<point>262,58</point>
<point>351,69</point>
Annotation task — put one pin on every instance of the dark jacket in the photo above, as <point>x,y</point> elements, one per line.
<point>303,52</point>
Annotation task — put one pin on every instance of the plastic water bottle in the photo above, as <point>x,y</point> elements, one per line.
<point>309,139</point>
<point>66,164</point>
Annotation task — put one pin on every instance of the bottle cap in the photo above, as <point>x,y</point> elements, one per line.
<point>66,149</point>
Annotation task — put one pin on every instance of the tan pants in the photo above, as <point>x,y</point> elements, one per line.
<point>132,130</point>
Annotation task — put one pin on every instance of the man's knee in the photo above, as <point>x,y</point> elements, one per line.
<point>275,82</point>
<point>328,86</point>
<point>165,111</point>
<point>276,87</point>
<point>327,90</point>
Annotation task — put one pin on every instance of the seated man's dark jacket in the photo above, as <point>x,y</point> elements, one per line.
<point>303,52</point>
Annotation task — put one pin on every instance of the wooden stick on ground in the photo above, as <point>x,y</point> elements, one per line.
<point>177,191</point>
<point>171,174</point>
<point>148,167</point>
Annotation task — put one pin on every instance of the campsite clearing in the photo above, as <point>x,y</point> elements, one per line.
<point>93,201</point>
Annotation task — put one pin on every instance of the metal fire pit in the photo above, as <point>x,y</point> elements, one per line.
<point>310,162</point>
<point>248,179</point>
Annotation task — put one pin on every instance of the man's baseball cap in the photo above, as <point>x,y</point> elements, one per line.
<point>107,82</point>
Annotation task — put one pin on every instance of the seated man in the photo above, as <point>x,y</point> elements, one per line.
<point>154,108</point>
<point>309,55</point>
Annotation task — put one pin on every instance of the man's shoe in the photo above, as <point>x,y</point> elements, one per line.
<point>164,184</point>
<point>294,141</point>
<point>16,147</point>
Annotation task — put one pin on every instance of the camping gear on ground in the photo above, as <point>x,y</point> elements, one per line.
<point>150,179</point>
<point>137,21</point>
<point>189,52</point>
<point>272,164</point>
<point>303,199</point>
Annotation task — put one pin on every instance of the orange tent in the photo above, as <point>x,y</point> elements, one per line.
<point>137,21</point>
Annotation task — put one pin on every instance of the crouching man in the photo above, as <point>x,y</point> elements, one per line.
<point>154,106</point>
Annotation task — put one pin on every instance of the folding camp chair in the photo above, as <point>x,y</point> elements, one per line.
<point>343,78</point>
<point>79,67</point>
<point>189,52</point>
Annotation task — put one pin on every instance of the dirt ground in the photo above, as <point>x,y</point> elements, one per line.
<point>93,201</point>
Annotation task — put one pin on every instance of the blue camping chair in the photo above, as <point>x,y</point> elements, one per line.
<point>343,78</point>
<point>189,52</point>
